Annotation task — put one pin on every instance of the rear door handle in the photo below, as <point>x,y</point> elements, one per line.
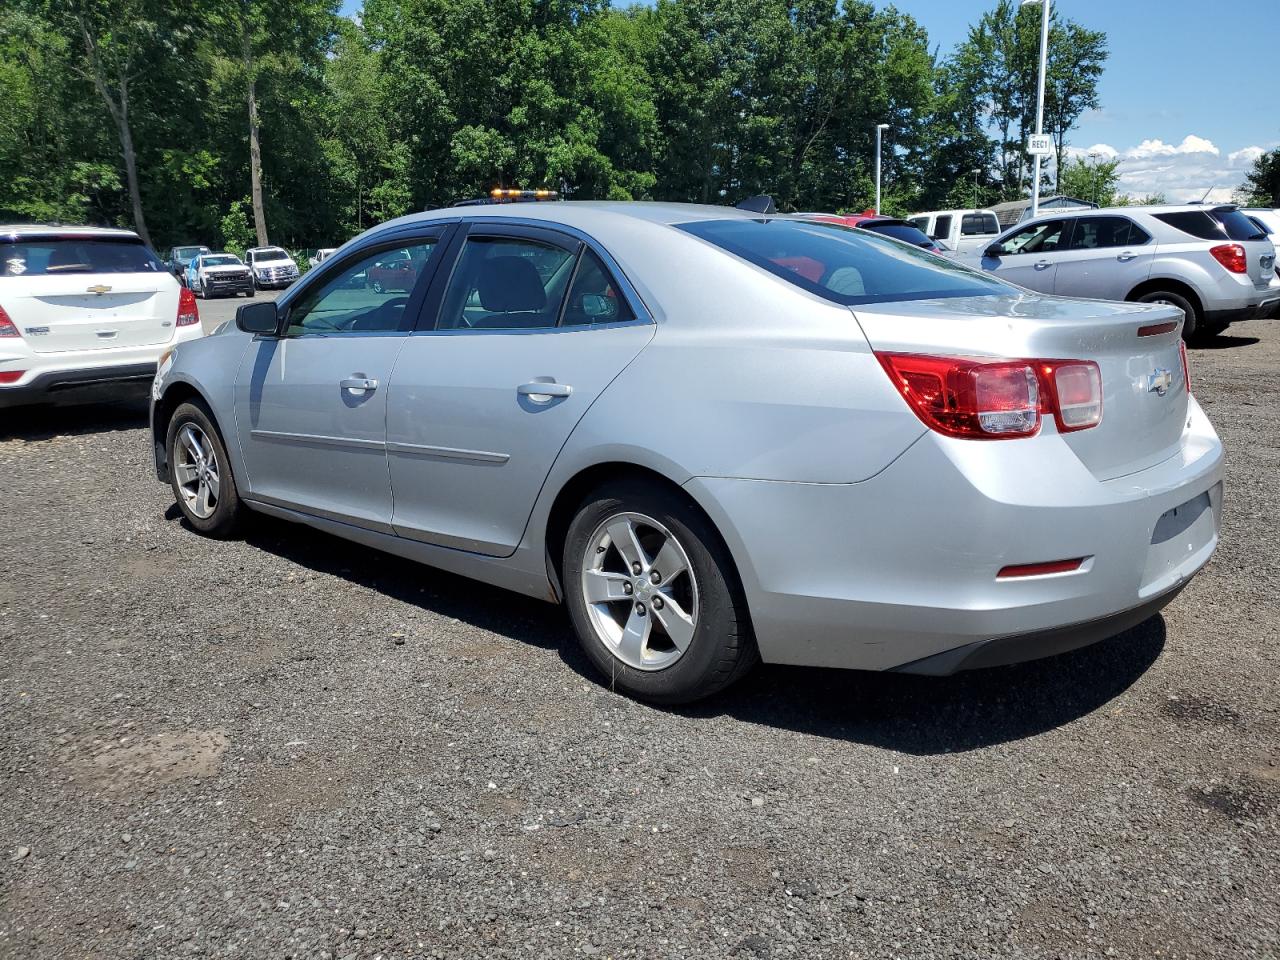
<point>539,390</point>
<point>1126,256</point>
<point>359,384</point>
<point>1043,265</point>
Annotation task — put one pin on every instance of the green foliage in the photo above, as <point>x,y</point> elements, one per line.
<point>1262,183</point>
<point>421,103</point>
<point>1094,180</point>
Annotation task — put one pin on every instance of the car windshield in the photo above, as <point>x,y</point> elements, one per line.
<point>186,253</point>
<point>844,264</point>
<point>221,260</point>
<point>66,255</point>
<point>274,253</point>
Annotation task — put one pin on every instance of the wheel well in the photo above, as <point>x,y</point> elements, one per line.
<point>576,490</point>
<point>177,394</point>
<point>1172,286</point>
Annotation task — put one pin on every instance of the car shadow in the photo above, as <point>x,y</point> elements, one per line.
<point>45,422</point>
<point>1225,342</point>
<point>932,715</point>
<point>908,714</point>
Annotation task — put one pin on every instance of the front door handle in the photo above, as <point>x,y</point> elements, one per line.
<point>1126,256</point>
<point>1043,264</point>
<point>543,391</point>
<point>358,384</point>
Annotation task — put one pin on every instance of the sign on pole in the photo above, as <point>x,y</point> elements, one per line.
<point>1040,145</point>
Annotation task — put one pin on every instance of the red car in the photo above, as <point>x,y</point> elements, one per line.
<point>889,226</point>
<point>396,271</point>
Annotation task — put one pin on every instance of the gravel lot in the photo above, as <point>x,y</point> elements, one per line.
<point>290,746</point>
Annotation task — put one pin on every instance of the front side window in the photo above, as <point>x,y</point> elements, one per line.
<point>1036,238</point>
<point>353,301</point>
<point>942,228</point>
<point>506,283</point>
<point>63,256</point>
<point>1096,233</point>
<point>846,265</point>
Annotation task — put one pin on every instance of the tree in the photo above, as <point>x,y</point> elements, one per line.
<point>1091,179</point>
<point>1261,185</point>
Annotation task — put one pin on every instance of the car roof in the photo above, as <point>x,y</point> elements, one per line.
<point>16,231</point>
<point>585,214</point>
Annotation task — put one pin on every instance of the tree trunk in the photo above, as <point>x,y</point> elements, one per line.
<point>255,149</point>
<point>131,165</point>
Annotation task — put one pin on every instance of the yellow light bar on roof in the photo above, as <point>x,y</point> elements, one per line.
<point>512,193</point>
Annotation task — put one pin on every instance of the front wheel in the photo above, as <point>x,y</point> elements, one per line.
<point>653,595</point>
<point>200,473</point>
<point>1191,325</point>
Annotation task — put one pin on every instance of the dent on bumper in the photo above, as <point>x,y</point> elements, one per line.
<point>902,567</point>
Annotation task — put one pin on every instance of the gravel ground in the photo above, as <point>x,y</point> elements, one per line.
<point>289,746</point>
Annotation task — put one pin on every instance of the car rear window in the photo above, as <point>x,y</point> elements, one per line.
<point>69,255</point>
<point>843,264</point>
<point>979,224</point>
<point>1213,224</point>
<point>899,230</point>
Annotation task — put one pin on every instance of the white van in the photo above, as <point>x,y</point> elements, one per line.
<point>963,231</point>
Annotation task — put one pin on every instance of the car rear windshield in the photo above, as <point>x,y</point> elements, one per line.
<point>1214,224</point>
<point>67,255</point>
<point>225,260</point>
<point>899,230</point>
<point>845,265</point>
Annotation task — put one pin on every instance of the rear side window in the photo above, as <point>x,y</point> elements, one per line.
<point>506,283</point>
<point>979,225</point>
<point>1093,233</point>
<point>941,228</point>
<point>1213,224</point>
<point>55,257</point>
<point>900,231</point>
<point>594,297</point>
<point>845,265</point>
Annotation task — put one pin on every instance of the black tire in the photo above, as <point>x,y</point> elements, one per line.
<point>250,292</point>
<point>228,512</point>
<point>1191,327</point>
<point>722,648</point>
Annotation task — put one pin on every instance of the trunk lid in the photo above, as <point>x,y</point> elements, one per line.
<point>1144,391</point>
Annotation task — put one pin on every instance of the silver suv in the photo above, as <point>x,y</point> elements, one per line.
<point>1214,263</point>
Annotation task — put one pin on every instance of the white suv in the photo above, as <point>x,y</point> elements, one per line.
<point>271,267</point>
<point>83,310</point>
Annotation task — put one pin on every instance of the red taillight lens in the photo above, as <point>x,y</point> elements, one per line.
<point>997,399</point>
<point>7,327</point>
<point>188,312</point>
<point>1231,256</point>
<point>973,399</point>
<point>1186,371</point>
<point>11,376</point>
<point>1075,392</point>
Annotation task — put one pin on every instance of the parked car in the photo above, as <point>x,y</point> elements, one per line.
<point>885,460</point>
<point>321,255</point>
<point>272,267</point>
<point>84,312</point>
<point>396,271</point>
<point>180,258</point>
<point>219,274</point>
<point>877,223</point>
<point>1212,263</point>
<point>961,230</point>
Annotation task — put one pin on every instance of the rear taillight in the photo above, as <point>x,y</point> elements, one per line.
<point>7,328</point>
<point>1186,371</point>
<point>11,376</point>
<point>188,312</point>
<point>1231,256</point>
<point>997,399</point>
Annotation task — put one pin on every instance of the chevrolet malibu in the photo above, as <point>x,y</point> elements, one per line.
<point>716,437</point>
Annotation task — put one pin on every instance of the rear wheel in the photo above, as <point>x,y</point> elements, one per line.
<point>200,473</point>
<point>653,596</point>
<point>1191,327</point>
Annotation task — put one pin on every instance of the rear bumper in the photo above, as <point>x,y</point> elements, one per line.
<point>903,568</point>
<point>1258,311</point>
<point>79,386</point>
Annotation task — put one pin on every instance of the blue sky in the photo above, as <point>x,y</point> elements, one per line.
<point>1189,96</point>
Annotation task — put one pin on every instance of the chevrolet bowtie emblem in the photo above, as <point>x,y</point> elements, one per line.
<point>1159,381</point>
<point>99,289</point>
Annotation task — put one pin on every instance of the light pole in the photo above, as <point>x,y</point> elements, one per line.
<point>1044,61</point>
<point>879,128</point>
<point>975,187</point>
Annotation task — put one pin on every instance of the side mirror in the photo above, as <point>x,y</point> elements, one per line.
<point>994,251</point>
<point>257,317</point>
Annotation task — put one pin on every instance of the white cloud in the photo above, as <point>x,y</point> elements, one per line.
<point>1190,170</point>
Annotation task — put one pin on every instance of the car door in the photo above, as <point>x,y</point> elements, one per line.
<point>1106,258</point>
<point>1028,254</point>
<point>532,325</point>
<point>311,403</point>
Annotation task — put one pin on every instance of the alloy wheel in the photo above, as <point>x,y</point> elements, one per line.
<point>640,591</point>
<point>196,468</point>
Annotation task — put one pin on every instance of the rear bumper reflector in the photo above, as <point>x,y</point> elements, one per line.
<point>1039,569</point>
<point>1155,329</point>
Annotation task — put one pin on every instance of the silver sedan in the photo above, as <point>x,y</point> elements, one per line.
<point>717,437</point>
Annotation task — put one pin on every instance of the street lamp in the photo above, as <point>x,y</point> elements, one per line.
<point>1044,60</point>
<point>879,128</point>
<point>975,173</point>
